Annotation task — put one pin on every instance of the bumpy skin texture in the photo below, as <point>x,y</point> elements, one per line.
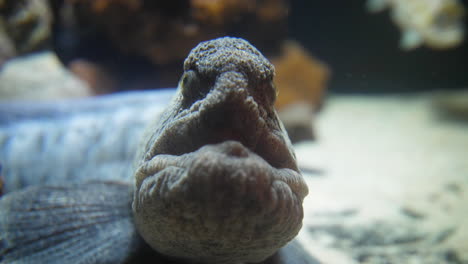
<point>218,161</point>
<point>217,180</point>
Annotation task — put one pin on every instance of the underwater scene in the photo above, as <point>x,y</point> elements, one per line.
<point>234,131</point>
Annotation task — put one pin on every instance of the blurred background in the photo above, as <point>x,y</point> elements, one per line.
<point>374,95</point>
<point>115,45</point>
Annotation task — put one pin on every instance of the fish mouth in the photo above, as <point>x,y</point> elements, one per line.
<point>231,125</point>
<point>234,116</point>
<point>220,184</point>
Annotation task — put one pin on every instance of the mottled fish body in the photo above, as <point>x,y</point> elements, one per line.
<point>214,176</point>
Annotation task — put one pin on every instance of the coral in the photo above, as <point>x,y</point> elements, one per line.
<point>301,81</point>
<point>25,26</point>
<point>139,28</point>
<point>102,5</point>
<point>299,77</point>
<point>221,12</point>
<point>165,31</point>
<point>216,11</point>
<point>436,23</point>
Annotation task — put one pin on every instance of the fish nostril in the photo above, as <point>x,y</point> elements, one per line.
<point>237,150</point>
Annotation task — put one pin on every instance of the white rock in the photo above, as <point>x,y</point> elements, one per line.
<point>39,76</point>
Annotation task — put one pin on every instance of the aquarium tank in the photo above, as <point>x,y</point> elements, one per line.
<point>233,131</point>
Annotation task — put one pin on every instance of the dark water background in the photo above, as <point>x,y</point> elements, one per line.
<point>362,50</point>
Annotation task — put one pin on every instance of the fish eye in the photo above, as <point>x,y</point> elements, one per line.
<point>187,79</point>
<point>189,82</point>
<point>193,87</point>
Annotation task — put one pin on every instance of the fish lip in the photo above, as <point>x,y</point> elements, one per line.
<point>209,127</point>
<point>210,189</point>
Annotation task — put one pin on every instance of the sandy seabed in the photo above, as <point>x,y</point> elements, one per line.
<point>391,183</point>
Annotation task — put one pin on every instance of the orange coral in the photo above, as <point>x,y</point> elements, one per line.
<point>272,10</point>
<point>163,32</point>
<point>299,76</point>
<point>220,12</point>
<point>216,11</point>
<point>100,6</point>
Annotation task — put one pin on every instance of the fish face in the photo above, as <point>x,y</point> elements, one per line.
<point>217,180</point>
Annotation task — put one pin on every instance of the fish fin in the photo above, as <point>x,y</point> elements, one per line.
<point>81,223</point>
<point>410,39</point>
<point>375,6</point>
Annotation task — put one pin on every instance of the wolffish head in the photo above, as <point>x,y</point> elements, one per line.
<point>217,180</point>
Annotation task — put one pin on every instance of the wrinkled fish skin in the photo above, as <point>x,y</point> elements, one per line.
<point>29,122</point>
<point>73,219</point>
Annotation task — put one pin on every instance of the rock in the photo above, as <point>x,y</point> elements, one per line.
<point>39,77</point>
<point>297,118</point>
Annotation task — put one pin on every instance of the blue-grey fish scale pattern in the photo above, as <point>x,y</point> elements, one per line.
<point>95,139</point>
<point>84,226</point>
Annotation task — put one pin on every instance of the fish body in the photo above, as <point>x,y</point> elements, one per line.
<point>214,177</point>
<point>76,140</point>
